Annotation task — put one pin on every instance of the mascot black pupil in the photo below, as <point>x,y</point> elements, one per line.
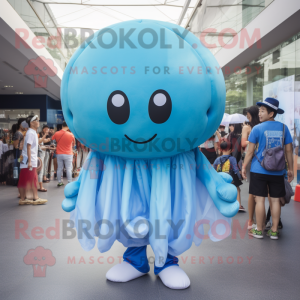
<point>160,106</point>
<point>118,107</point>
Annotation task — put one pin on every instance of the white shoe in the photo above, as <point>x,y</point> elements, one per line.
<point>123,272</point>
<point>39,201</point>
<point>268,225</point>
<point>26,201</point>
<point>252,226</point>
<point>174,278</point>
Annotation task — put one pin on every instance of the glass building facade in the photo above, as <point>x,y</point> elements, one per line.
<point>263,76</point>
<point>224,18</point>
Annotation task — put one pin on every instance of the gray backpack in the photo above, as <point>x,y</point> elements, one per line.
<point>274,158</point>
<point>289,193</point>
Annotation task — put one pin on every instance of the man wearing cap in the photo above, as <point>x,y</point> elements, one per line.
<point>268,134</point>
<point>28,163</point>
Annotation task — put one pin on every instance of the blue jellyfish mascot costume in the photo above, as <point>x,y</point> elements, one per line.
<point>142,95</point>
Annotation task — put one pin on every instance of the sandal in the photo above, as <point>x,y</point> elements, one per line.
<point>242,208</point>
<point>42,190</point>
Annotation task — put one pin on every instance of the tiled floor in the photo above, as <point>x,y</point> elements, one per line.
<point>236,268</point>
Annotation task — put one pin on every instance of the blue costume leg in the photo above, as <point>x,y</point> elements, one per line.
<point>137,257</point>
<point>170,261</point>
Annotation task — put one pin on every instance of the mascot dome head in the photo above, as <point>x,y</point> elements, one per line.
<point>143,89</point>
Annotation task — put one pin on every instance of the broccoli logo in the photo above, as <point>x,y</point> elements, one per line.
<point>41,68</point>
<point>39,258</point>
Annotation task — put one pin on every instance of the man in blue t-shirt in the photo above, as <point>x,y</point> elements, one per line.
<point>268,134</point>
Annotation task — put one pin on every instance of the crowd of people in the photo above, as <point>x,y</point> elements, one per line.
<point>261,152</point>
<point>3,150</point>
<point>35,156</point>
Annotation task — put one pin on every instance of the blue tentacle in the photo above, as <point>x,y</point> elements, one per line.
<point>108,203</point>
<point>160,209</point>
<point>136,198</point>
<point>183,202</point>
<point>85,205</point>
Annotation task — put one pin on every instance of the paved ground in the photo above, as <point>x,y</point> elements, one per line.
<point>261,269</point>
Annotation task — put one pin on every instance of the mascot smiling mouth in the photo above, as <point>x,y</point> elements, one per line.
<point>128,138</point>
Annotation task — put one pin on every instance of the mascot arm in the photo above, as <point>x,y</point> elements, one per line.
<point>71,193</point>
<point>219,186</point>
<point>93,165</point>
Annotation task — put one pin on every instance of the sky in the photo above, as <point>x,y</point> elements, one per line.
<point>98,17</point>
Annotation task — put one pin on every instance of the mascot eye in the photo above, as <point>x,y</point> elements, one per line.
<point>118,107</point>
<point>160,106</point>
